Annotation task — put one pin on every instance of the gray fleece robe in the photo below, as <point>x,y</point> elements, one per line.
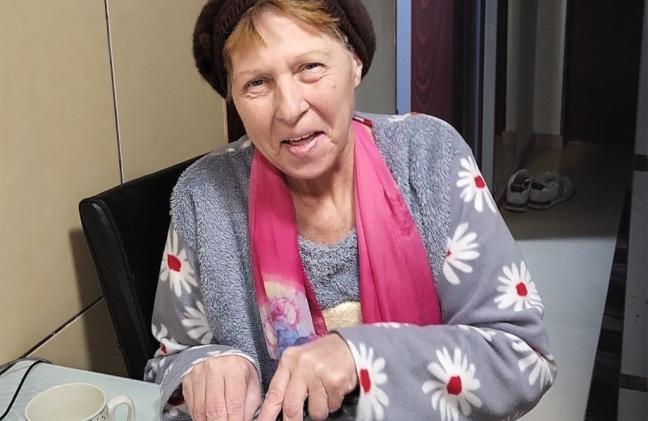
<point>489,360</point>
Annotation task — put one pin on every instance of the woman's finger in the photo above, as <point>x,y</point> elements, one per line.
<point>187,393</point>
<point>274,399</point>
<point>214,408</point>
<point>335,399</point>
<point>236,381</point>
<point>197,384</point>
<point>252,396</point>
<point>294,398</point>
<point>318,400</point>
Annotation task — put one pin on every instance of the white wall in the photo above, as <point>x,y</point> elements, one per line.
<point>535,61</point>
<point>549,63</point>
<point>520,102</point>
<point>377,93</point>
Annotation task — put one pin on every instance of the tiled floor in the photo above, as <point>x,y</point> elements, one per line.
<point>569,250</point>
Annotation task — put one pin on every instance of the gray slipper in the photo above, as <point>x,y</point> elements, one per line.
<point>517,191</point>
<point>549,189</point>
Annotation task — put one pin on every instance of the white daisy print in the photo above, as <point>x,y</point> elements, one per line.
<point>370,376</point>
<point>156,365</point>
<point>540,371</point>
<point>454,385</point>
<point>154,368</point>
<point>159,333</point>
<point>514,417</point>
<point>474,186</point>
<point>461,248</point>
<point>518,290</point>
<point>168,345</point>
<point>175,267</point>
<point>488,335</point>
<point>196,322</point>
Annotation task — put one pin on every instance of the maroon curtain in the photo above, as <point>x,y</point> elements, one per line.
<point>433,57</point>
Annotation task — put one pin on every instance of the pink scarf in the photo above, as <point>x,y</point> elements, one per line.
<point>396,282</point>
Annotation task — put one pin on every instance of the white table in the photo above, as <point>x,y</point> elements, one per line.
<point>145,395</point>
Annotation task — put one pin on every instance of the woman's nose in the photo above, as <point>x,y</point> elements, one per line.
<point>290,102</point>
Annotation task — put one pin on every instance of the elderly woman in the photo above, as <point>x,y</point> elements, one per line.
<point>328,253</point>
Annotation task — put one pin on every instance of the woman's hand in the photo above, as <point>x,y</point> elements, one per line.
<point>222,389</point>
<point>323,370</point>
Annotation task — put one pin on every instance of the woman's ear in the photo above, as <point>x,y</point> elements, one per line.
<point>357,69</point>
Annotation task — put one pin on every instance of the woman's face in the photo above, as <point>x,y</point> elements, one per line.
<point>295,95</point>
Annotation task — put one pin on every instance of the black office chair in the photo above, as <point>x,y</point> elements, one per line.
<point>126,229</point>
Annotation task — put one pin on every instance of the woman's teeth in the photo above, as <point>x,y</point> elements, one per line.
<point>299,139</point>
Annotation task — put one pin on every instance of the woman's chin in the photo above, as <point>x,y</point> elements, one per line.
<point>305,174</point>
<point>312,170</point>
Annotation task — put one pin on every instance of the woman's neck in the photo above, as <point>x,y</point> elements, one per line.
<point>333,185</point>
<point>325,207</point>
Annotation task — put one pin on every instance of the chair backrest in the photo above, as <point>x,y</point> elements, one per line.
<point>126,229</point>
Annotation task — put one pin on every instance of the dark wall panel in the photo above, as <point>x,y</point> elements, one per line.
<point>603,70</point>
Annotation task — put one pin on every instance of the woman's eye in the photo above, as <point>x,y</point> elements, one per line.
<point>255,83</point>
<point>311,66</point>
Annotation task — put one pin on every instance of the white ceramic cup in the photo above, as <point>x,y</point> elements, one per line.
<point>76,402</point>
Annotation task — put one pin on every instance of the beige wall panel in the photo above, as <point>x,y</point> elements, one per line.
<point>57,145</point>
<point>167,113</point>
<point>88,343</point>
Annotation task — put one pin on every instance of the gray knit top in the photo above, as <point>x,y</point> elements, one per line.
<point>332,270</point>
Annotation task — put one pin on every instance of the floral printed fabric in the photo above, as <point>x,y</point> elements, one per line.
<point>489,361</point>
<point>371,378</point>
<point>460,371</point>
<point>180,325</point>
<point>454,385</point>
<point>286,309</point>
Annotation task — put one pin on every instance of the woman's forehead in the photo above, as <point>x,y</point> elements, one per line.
<point>275,26</point>
<point>271,24</point>
<point>285,37</point>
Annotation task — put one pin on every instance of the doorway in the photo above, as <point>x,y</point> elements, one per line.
<point>602,70</point>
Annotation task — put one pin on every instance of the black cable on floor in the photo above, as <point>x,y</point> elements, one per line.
<point>7,366</point>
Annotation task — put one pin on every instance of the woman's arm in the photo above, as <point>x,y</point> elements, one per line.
<point>180,325</point>
<point>491,358</point>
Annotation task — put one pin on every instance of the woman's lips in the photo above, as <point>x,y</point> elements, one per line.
<point>303,145</point>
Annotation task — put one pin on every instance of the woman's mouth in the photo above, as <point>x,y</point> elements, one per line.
<point>303,144</point>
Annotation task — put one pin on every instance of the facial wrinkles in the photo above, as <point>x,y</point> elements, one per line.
<point>281,53</point>
<point>321,92</point>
